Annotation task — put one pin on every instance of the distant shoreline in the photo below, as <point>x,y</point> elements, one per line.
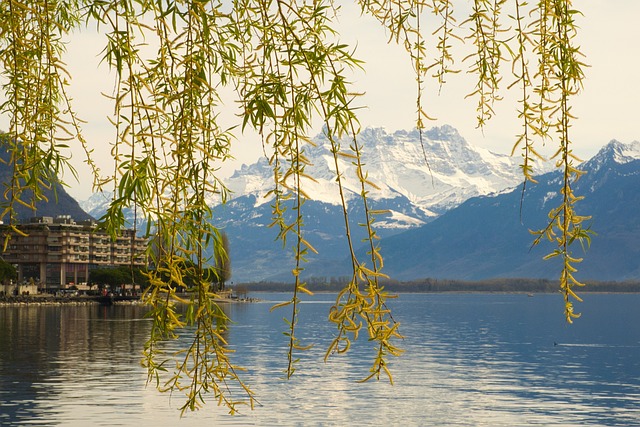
<point>522,286</point>
<point>434,286</point>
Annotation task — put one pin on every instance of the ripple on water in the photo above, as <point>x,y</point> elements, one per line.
<point>468,361</point>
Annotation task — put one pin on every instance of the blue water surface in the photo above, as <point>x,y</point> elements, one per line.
<point>470,359</point>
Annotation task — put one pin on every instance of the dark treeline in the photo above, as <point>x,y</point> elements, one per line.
<point>323,284</point>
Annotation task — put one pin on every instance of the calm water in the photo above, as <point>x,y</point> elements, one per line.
<point>470,360</point>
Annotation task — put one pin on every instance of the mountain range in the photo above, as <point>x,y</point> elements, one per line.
<point>451,171</point>
<point>413,190</point>
<point>455,214</point>
<point>487,237</point>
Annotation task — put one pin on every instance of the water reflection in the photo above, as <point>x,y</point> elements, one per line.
<point>470,360</point>
<point>57,358</point>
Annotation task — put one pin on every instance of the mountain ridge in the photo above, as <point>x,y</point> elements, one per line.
<point>413,203</point>
<point>485,237</point>
<point>453,171</point>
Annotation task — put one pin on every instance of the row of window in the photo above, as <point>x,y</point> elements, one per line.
<point>68,249</point>
<point>56,257</point>
<point>54,240</point>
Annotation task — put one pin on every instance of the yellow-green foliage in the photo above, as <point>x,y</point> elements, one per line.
<point>288,68</point>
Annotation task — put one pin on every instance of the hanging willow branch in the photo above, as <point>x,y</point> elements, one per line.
<point>282,61</point>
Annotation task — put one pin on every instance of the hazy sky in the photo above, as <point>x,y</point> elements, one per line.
<point>607,109</point>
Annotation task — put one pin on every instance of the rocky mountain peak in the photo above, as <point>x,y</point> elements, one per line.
<point>615,151</point>
<point>452,171</point>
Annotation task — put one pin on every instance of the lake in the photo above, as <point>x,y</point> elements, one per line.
<point>470,360</point>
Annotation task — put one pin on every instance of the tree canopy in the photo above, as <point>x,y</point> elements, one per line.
<point>283,64</point>
<point>118,276</point>
<point>7,271</point>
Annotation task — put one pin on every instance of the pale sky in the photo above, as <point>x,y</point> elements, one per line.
<point>607,109</point>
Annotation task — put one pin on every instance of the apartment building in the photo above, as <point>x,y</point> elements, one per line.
<point>58,252</point>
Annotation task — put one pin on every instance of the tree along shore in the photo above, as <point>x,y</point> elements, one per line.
<point>445,285</point>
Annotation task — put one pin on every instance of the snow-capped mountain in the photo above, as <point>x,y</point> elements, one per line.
<point>453,171</point>
<point>616,152</point>
<point>486,237</point>
<point>412,189</point>
<point>97,203</point>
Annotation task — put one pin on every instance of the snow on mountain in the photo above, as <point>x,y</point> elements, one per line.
<point>489,237</point>
<point>617,151</point>
<point>96,204</point>
<point>414,193</point>
<point>625,153</point>
<point>453,170</point>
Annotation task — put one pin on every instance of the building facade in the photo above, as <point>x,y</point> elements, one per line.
<point>58,252</point>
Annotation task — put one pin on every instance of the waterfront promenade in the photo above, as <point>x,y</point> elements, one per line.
<point>45,299</point>
<point>48,299</point>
